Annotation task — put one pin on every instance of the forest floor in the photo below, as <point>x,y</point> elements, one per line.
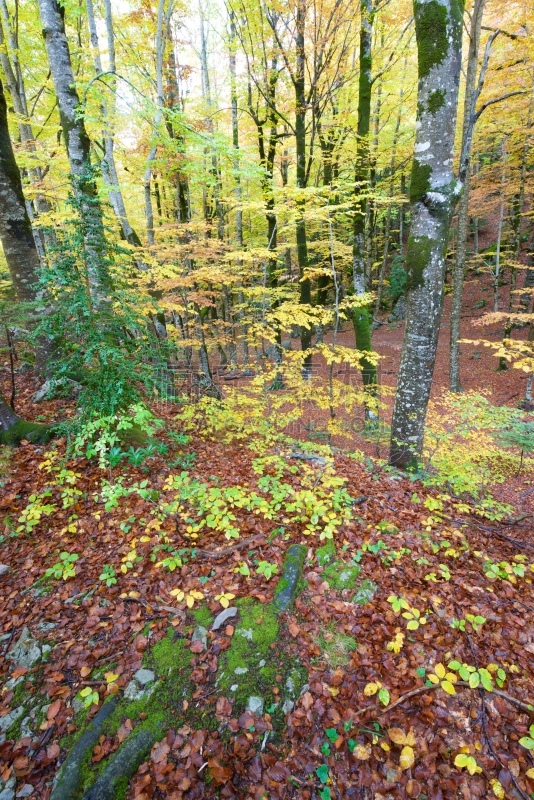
<point>354,694</point>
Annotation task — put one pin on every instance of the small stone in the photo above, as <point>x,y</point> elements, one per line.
<point>262,663</point>
<point>26,791</point>
<point>47,626</point>
<point>246,633</point>
<point>12,682</point>
<point>288,706</point>
<point>7,721</point>
<point>365,592</point>
<point>78,705</point>
<point>26,651</point>
<point>290,685</point>
<point>241,670</point>
<point>4,569</point>
<point>144,676</point>
<point>7,789</point>
<point>255,706</point>
<point>133,692</point>
<point>234,687</point>
<point>26,728</point>
<point>200,634</point>
<point>221,618</point>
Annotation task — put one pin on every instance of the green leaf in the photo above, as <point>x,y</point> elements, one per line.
<point>383,696</point>
<point>527,742</point>
<point>474,680</point>
<point>322,773</point>
<point>421,672</point>
<point>332,734</point>
<point>324,793</point>
<point>454,665</point>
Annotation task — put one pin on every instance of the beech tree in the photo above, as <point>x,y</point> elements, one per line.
<point>434,192</point>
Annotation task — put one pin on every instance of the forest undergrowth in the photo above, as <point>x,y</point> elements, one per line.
<point>403,668</point>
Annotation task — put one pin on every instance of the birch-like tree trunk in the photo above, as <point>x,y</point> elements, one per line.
<point>433,195</point>
<point>109,169</point>
<point>78,148</point>
<point>147,183</point>
<point>463,209</point>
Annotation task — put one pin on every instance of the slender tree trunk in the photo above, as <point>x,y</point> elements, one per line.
<point>433,195</point>
<point>300,146</point>
<point>361,318</point>
<point>500,226</point>
<point>463,209</point>
<point>109,170</point>
<point>147,181</point>
<point>78,147</point>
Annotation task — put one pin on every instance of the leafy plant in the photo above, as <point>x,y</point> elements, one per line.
<point>528,741</point>
<point>108,575</point>
<point>267,569</point>
<point>64,568</point>
<point>34,511</point>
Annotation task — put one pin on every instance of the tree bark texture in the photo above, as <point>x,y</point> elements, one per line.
<point>433,195</point>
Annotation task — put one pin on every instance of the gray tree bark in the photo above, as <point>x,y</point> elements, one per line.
<point>78,148</point>
<point>433,195</point>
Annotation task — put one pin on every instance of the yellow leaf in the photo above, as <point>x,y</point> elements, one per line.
<point>135,595</point>
<point>448,687</point>
<point>111,677</point>
<point>433,678</point>
<point>407,757</point>
<point>440,670</point>
<point>497,788</point>
<point>362,752</point>
<point>190,601</point>
<point>371,689</point>
<point>334,691</point>
<point>530,773</point>
<point>397,735</point>
<point>144,539</point>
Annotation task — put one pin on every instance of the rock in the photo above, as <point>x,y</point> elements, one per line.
<point>144,676</point>
<point>200,634</point>
<point>7,721</point>
<point>133,692</point>
<point>4,569</point>
<point>26,728</point>
<point>7,789</point>
<point>287,588</point>
<point>51,389</point>
<point>241,670</point>
<point>47,626</point>
<point>78,705</point>
<point>221,618</point>
<point>255,706</point>
<point>365,592</point>
<point>288,706</point>
<point>246,633</point>
<point>26,791</point>
<point>398,311</point>
<point>313,457</point>
<point>26,651</point>
<point>234,687</point>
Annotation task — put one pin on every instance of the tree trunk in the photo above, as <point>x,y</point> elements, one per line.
<point>433,194</point>
<point>78,148</point>
<point>109,170</point>
<point>463,210</point>
<point>300,147</point>
<point>361,318</point>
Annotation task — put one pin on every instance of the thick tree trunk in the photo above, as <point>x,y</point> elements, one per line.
<point>463,209</point>
<point>78,148</point>
<point>15,226</point>
<point>13,429</point>
<point>433,194</point>
<point>361,317</point>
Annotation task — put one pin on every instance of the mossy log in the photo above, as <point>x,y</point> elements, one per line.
<point>288,585</point>
<point>115,778</point>
<point>69,775</point>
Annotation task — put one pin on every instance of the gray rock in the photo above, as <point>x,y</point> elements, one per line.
<point>50,389</point>
<point>398,311</point>
<point>200,634</point>
<point>12,682</point>
<point>241,670</point>
<point>26,728</point>
<point>26,651</point>
<point>7,789</point>
<point>144,676</point>
<point>234,687</point>
<point>287,588</point>
<point>262,663</point>
<point>7,721</point>
<point>133,692</point>
<point>288,706</point>
<point>365,593</point>
<point>246,633</point>
<point>78,705</point>
<point>47,626</point>
<point>255,706</point>
<point>221,618</point>
<point>4,569</point>
<point>26,791</point>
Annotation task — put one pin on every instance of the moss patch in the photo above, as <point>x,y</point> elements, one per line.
<point>31,431</point>
<point>341,576</point>
<point>365,593</point>
<point>419,181</point>
<point>336,648</point>
<point>436,101</point>
<point>326,553</point>
<point>431,32</point>
<point>418,258</point>
<point>202,616</point>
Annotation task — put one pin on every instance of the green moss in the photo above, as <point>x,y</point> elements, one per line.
<point>419,181</point>
<point>336,647</point>
<point>432,36</point>
<point>202,616</point>
<point>34,433</point>
<point>366,591</point>
<point>436,101</point>
<point>326,553</point>
<point>361,320</point>
<point>418,258</point>
<point>341,576</point>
